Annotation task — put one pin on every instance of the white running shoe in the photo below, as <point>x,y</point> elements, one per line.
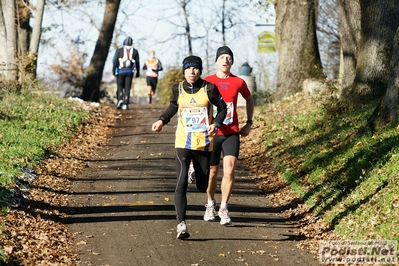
<point>224,216</point>
<point>182,231</point>
<point>209,213</point>
<point>191,174</point>
<point>119,104</point>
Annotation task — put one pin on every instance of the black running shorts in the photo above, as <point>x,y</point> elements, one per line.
<point>226,145</point>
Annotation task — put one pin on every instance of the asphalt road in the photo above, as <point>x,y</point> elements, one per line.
<point>122,210</point>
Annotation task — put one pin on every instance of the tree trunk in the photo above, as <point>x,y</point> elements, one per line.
<point>8,40</point>
<point>223,21</point>
<point>389,110</point>
<point>350,35</point>
<point>187,26</point>
<point>24,29</point>
<point>36,33</point>
<point>379,21</point>
<point>92,82</point>
<point>297,47</point>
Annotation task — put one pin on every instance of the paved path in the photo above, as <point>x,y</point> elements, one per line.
<point>122,210</point>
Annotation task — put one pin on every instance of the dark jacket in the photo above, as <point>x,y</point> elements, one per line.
<point>213,95</point>
<point>116,69</point>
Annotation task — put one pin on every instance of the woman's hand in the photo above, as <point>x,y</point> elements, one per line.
<point>157,126</point>
<point>212,129</point>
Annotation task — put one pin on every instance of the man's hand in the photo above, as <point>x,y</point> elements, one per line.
<point>245,130</point>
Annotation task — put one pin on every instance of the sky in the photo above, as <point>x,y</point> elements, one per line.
<point>152,25</point>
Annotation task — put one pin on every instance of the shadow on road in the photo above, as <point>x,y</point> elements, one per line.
<point>121,209</point>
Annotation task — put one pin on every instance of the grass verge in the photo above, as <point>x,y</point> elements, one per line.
<point>346,179</point>
<point>32,126</point>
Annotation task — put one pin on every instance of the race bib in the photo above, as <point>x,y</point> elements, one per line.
<point>196,119</point>
<point>230,111</point>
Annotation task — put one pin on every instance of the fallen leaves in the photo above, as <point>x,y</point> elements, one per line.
<point>271,182</point>
<point>83,242</point>
<point>32,234</point>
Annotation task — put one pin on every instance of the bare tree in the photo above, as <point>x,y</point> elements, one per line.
<point>36,33</point>
<point>228,16</point>
<point>125,15</point>
<point>92,82</point>
<point>389,110</point>
<point>216,21</point>
<point>379,21</point>
<point>223,20</point>
<point>24,30</point>
<point>70,68</point>
<point>370,52</point>
<point>328,36</point>
<point>8,40</point>
<point>20,59</point>
<point>297,46</point>
<point>349,36</point>
<point>184,4</point>
<point>206,42</point>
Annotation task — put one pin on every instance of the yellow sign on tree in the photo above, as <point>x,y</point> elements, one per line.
<point>267,42</point>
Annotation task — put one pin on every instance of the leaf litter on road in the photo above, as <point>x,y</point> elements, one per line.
<point>33,236</point>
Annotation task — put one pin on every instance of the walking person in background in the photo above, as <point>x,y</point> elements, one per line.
<point>151,67</point>
<point>227,140</point>
<point>193,101</point>
<point>125,64</point>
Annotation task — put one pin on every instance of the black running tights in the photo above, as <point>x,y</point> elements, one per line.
<point>201,161</point>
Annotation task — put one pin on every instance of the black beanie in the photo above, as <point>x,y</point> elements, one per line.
<point>224,50</point>
<point>128,41</point>
<point>192,61</point>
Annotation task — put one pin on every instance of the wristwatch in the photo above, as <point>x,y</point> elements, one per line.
<point>250,122</point>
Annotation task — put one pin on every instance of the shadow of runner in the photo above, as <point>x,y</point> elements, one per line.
<point>121,209</point>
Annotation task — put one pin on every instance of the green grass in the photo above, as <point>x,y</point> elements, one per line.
<point>32,126</point>
<point>349,180</point>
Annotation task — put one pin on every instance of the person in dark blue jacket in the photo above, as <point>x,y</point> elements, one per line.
<point>125,64</point>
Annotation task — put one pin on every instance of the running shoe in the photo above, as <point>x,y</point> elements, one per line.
<point>191,174</point>
<point>182,231</point>
<point>209,213</point>
<point>125,107</point>
<point>224,216</point>
<point>119,104</point>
